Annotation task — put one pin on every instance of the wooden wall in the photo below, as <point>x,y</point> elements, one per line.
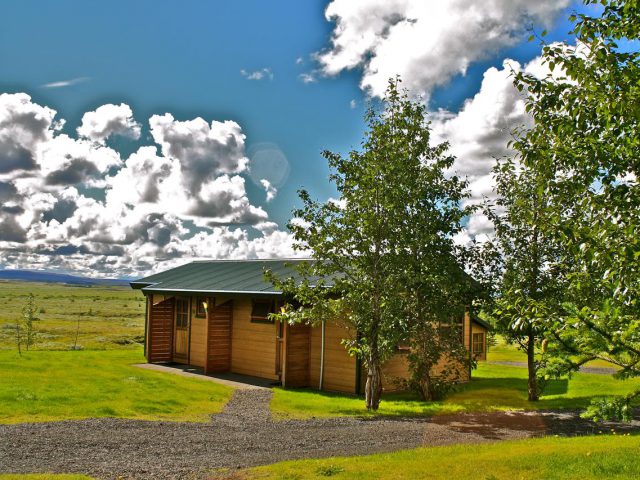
<point>219,337</point>
<point>198,337</point>
<point>254,344</point>
<point>339,366</point>
<point>297,350</point>
<point>475,328</point>
<point>397,367</point>
<point>160,331</point>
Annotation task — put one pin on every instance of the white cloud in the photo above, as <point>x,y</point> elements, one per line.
<point>182,199</point>
<point>24,127</point>
<point>65,83</point>
<point>353,104</point>
<point>270,189</point>
<point>109,120</point>
<point>307,78</point>
<point>426,43</point>
<point>262,74</point>
<point>480,132</point>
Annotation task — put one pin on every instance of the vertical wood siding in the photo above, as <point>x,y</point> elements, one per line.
<point>219,337</point>
<point>297,341</point>
<point>160,332</point>
<point>254,344</point>
<point>339,366</point>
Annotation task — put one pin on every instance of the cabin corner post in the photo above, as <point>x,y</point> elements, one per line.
<point>146,326</point>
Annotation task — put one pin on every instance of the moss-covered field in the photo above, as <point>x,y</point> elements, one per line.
<point>105,317</point>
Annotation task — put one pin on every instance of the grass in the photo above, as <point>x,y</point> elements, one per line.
<point>583,458</point>
<point>493,388</point>
<point>46,386</point>
<point>110,317</point>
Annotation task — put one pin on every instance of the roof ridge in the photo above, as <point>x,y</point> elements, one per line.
<point>248,260</point>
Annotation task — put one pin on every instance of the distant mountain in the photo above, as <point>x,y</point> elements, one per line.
<point>49,277</point>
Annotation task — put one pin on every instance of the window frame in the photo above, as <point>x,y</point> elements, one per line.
<point>200,310</point>
<point>270,309</point>
<point>182,313</point>
<point>475,343</point>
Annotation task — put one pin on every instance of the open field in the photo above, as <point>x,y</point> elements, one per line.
<point>493,388</point>
<point>110,317</point>
<point>583,458</point>
<point>44,386</point>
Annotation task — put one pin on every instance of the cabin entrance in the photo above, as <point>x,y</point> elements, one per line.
<point>181,331</point>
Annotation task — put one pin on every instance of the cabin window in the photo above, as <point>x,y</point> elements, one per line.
<point>182,313</point>
<point>200,310</point>
<point>478,344</point>
<point>261,310</point>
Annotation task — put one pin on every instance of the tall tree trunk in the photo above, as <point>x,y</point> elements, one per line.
<point>531,366</point>
<point>373,388</point>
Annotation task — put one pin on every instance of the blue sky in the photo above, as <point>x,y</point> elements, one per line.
<point>187,58</point>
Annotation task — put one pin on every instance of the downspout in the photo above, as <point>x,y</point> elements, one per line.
<point>358,371</point>
<point>322,337</point>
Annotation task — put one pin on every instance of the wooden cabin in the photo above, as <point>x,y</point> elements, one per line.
<point>214,315</point>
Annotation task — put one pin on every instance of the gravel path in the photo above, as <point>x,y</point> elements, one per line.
<point>244,435</point>
<point>596,370</point>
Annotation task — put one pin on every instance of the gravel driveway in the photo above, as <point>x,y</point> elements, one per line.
<point>244,435</point>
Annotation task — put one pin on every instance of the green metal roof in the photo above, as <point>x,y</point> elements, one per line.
<point>219,276</point>
<point>481,322</point>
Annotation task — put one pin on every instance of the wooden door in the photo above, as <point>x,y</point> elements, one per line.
<point>181,331</point>
<point>160,330</point>
<point>219,333</point>
<point>296,356</point>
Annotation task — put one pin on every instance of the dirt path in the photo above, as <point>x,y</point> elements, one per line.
<point>244,435</point>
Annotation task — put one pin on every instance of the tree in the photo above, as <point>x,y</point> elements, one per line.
<point>431,281</point>
<point>368,244</point>
<point>29,316</point>
<point>585,149</point>
<point>524,273</point>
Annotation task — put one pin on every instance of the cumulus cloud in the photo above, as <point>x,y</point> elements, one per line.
<point>165,204</point>
<point>426,43</point>
<point>480,132</point>
<point>109,120</point>
<point>24,127</point>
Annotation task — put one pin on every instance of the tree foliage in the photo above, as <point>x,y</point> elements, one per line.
<point>522,260</point>
<point>386,243</point>
<point>584,148</point>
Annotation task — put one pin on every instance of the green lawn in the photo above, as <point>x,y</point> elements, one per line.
<point>45,386</point>
<point>582,458</point>
<point>110,317</point>
<point>493,388</point>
